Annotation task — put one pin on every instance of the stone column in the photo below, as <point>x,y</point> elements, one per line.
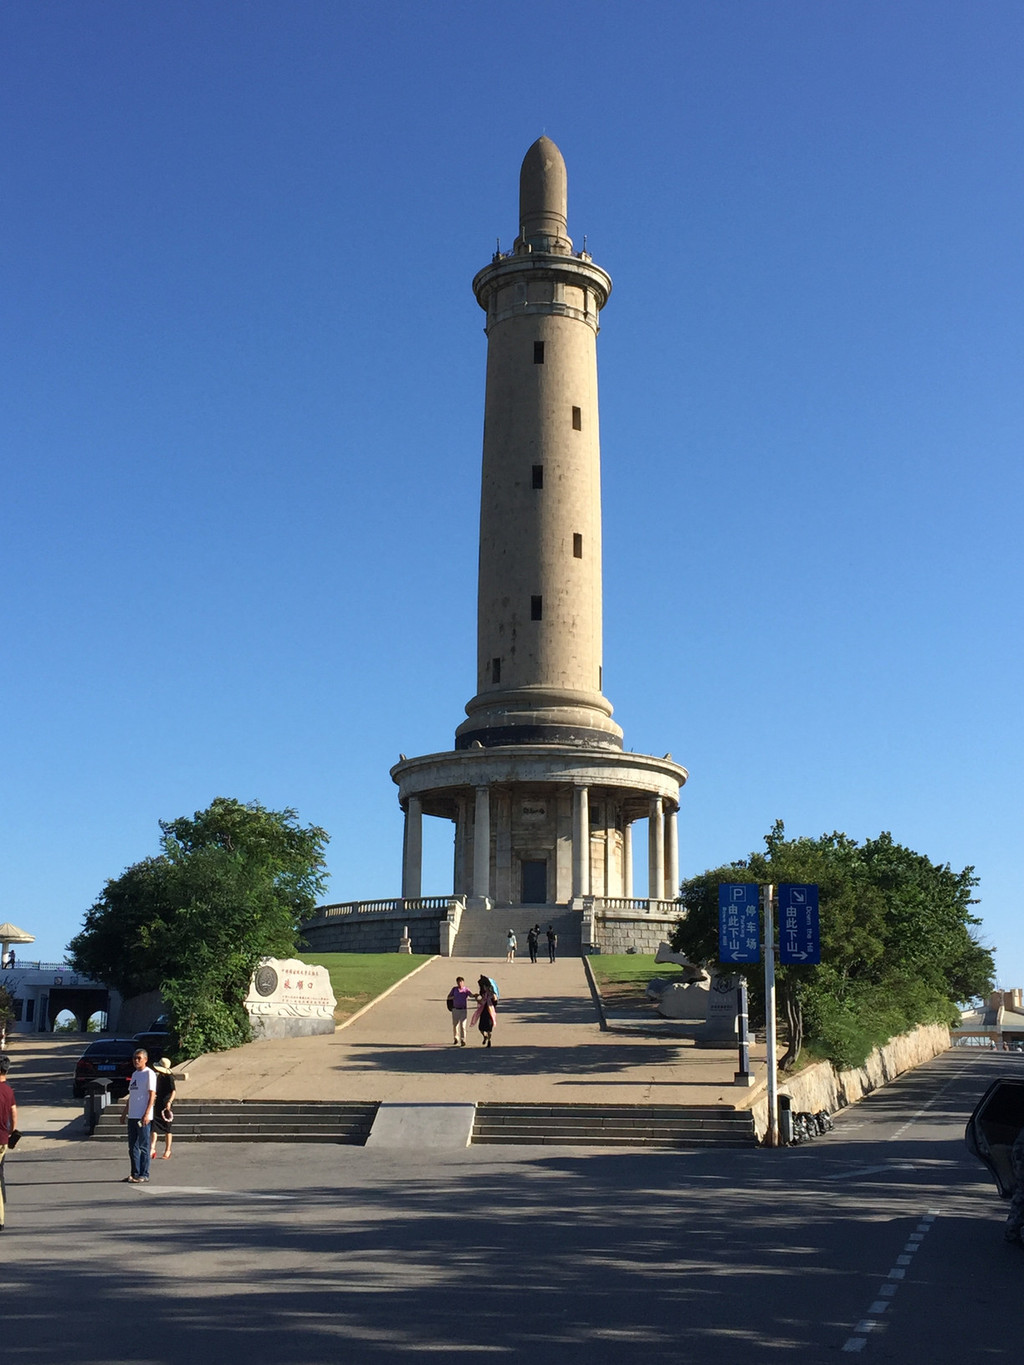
<point>656,851</point>
<point>412,850</point>
<point>502,879</point>
<point>482,844</point>
<point>627,858</point>
<point>671,854</point>
<point>580,841</point>
<point>460,871</point>
<point>459,851</point>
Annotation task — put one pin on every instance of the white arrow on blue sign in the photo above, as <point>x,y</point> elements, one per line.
<point>799,932</point>
<point>739,922</point>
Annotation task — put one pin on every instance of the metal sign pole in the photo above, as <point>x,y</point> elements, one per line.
<point>772,1136</point>
<point>743,1076</point>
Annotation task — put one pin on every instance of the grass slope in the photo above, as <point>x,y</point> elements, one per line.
<point>622,977</point>
<point>358,978</point>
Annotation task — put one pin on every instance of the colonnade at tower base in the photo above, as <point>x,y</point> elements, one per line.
<point>543,835</point>
<point>543,824</point>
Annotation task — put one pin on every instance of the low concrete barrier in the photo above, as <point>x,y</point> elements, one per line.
<point>821,1086</point>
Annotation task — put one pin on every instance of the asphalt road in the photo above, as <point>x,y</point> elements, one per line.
<point>883,1240</point>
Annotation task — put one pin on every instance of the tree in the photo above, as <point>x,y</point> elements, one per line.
<point>231,885</point>
<point>898,941</point>
<point>6,1014</point>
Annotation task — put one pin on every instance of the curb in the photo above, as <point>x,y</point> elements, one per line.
<point>595,994</point>
<point>384,994</point>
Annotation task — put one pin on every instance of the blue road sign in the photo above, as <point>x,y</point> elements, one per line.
<point>799,934</point>
<point>739,922</point>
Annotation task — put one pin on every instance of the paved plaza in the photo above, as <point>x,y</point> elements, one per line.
<point>548,1047</point>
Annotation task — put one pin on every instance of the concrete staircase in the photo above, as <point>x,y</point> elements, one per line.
<point>619,1125</point>
<point>576,1125</point>
<point>482,933</point>
<point>257,1121</point>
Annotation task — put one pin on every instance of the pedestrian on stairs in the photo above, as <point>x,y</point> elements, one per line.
<point>532,940</point>
<point>458,1003</point>
<point>486,1011</point>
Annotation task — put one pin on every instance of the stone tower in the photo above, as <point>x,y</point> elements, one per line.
<point>542,797</point>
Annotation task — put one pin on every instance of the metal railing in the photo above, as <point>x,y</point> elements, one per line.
<point>20,964</point>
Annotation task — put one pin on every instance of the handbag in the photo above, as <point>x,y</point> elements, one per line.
<point>14,1139</point>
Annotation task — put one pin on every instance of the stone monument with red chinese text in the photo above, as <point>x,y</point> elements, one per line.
<point>290,999</point>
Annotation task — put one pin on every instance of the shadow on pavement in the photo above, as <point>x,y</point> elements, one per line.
<point>520,1060</point>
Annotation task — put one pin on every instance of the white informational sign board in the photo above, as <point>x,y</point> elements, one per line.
<point>288,998</point>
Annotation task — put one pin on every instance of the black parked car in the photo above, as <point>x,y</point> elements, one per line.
<point>997,1119</point>
<point>158,1040</point>
<point>108,1059</point>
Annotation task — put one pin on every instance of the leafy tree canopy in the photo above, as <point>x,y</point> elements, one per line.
<point>230,885</point>
<point>6,1012</point>
<point>898,940</point>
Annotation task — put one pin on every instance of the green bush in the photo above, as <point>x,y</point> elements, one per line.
<point>205,1023</point>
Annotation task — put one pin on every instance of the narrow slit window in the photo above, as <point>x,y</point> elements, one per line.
<point>577,419</point>
<point>538,476</point>
<point>495,670</point>
<point>577,545</point>
<point>538,353</point>
<point>536,608</point>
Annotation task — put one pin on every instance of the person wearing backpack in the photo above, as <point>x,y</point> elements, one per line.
<point>458,1003</point>
<point>532,939</point>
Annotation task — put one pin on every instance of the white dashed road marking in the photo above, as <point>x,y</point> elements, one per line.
<point>886,1291</point>
<point>203,1189</point>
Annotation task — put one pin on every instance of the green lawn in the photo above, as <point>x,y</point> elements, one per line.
<point>622,977</point>
<point>358,978</point>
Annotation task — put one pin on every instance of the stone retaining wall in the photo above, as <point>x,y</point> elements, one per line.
<point>618,926</point>
<point>374,933</point>
<point>137,1013</point>
<point>821,1086</point>
<point>618,933</point>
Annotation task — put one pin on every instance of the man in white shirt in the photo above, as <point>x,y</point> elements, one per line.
<point>138,1113</point>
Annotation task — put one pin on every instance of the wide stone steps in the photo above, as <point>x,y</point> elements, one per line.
<point>482,933</point>
<point>577,1125</point>
<point>257,1121</point>
<point>625,1125</point>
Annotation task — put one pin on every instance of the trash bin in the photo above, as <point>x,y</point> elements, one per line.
<point>97,1098</point>
<point>785,1119</point>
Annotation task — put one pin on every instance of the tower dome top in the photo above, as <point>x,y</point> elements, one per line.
<point>543,198</point>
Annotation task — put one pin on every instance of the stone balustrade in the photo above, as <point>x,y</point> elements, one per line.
<point>610,924</point>
<point>377,926</point>
<point>619,924</point>
<point>635,905</point>
<point>396,906</point>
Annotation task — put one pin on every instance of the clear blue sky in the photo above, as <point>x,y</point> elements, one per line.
<point>242,392</point>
